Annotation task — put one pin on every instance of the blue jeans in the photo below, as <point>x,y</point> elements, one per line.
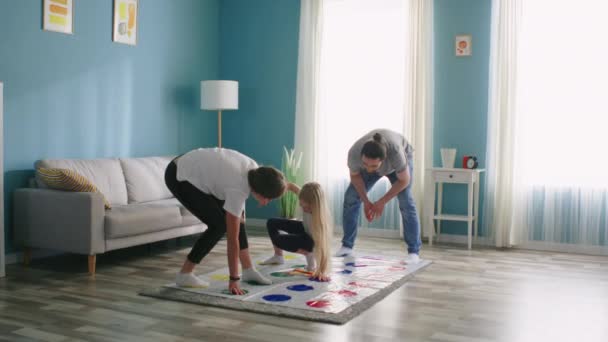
<point>407,207</point>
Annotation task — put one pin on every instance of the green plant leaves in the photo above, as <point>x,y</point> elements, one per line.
<point>290,165</point>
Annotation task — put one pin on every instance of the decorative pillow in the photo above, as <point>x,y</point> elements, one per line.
<point>68,180</point>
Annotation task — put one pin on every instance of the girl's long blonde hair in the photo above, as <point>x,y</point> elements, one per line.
<point>321,230</point>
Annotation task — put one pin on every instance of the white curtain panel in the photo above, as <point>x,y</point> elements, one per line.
<point>307,92</point>
<point>561,112</point>
<point>546,185</point>
<point>419,100</point>
<point>498,206</point>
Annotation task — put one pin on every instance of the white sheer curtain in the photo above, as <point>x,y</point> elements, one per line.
<point>498,208</point>
<point>419,83</point>
<point>555,126</point>
<point>367,65</point>
<point>307,92</point>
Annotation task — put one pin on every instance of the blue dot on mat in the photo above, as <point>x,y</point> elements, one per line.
<point>346,272</point>
<point>276,298</point>
<point>300,287</point>
<point>350,264</point>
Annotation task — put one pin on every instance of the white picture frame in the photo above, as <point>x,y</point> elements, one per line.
<point>124,23</point>
<point>463,45</point>
<point>58,16</point>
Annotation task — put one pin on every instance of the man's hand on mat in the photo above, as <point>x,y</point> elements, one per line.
<point>368,209</point>
<point>235,288</point>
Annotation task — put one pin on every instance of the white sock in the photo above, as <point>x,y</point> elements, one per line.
<point>344,251</point>
<point>312,263</point>
<point>189,280</point>
<point>274,260</point>
<point>349,258</point>
<point>412,259</point>
<point>251,274</point>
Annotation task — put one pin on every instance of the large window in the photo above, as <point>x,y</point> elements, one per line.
<point>562,108</point>
<point>363,82</point>
<point>561,122</point>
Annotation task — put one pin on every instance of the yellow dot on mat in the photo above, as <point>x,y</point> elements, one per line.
<point>220,277</point>
<point>290,257</point>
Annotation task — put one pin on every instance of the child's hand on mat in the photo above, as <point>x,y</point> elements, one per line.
<point>321,277</point>
<point>235,288</point>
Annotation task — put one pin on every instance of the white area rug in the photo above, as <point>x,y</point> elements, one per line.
<point>356,284</point>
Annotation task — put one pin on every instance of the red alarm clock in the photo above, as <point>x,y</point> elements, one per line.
<point>469,162</point>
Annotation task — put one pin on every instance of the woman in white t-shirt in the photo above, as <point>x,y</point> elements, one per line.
<point>213,184</point>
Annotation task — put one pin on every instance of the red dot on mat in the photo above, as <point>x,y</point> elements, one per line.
<point>354,283</point>
<point>397,268</point>
<point>318,303</point>
<point>347,293</point>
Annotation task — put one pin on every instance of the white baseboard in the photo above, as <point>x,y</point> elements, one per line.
<point>462,239</point>
<point>380,233</point>
<point>529,245</point>
<point>563,248</point>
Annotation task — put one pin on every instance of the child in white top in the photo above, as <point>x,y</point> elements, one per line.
<point>310,237</point>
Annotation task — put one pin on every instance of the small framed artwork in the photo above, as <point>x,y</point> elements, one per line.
<point>124,25</point>
<point>58,16</point>
<point>463,45</point>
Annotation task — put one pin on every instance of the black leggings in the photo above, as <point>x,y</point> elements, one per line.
<point>206,208</point>
<point>296,237</point>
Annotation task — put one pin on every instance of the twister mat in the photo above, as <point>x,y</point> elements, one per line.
<point>356,284</point>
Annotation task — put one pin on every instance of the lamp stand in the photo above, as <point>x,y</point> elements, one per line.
<point>219,128</point>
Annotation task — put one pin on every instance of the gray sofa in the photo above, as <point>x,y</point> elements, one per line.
<point>143,209</point>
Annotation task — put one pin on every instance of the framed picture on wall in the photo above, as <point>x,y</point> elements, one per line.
<point>58,16</point>
<point>463,45</point>
<point>124,25</point>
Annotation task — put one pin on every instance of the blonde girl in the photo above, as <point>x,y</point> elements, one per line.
<point>310,237</point>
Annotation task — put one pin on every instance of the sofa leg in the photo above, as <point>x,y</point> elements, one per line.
<point>92,259</point>
<point>27,256</point>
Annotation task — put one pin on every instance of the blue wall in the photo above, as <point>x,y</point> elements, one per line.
<point>461,94</point>
<point>83,96</point>
<point>259,48</point>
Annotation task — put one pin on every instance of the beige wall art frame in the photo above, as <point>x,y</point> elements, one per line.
<point>58,16</point>
<point>463,45</point>
<point>124,24</point>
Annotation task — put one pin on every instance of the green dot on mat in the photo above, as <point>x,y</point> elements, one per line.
<point>254,283</point>
<point>227,292</point>
<point>299,266</point>
<point>281,274</point>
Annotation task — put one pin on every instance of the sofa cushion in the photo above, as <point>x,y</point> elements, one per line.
<point>145,178</point>
<point>129,220</point>
<point>106,174</point>
<point>68,180</point>
<point>187,218</point>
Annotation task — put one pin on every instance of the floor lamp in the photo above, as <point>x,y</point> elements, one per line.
<point>219,95</point>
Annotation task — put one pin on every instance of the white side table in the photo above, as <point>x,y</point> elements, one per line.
<point>439,175</point>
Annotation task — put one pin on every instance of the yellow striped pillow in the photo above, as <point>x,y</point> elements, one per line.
<point>68,180</point>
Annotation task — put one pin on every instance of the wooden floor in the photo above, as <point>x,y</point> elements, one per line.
<point>479,295</point>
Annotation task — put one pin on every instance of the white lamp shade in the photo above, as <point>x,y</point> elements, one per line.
<point>219,95</point>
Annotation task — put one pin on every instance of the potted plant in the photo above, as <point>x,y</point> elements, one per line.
<point>290,165</point>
